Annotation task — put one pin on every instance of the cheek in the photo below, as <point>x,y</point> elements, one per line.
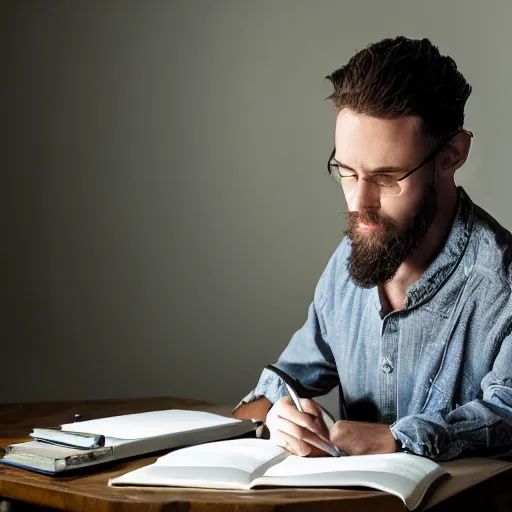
<point>400,210</point>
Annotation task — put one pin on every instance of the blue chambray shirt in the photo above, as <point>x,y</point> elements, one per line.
<point>439,370</point>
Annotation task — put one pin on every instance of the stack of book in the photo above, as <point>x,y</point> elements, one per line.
<point>87,443</point>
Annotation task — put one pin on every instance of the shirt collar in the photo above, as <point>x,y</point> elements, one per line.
<point>447,260</point>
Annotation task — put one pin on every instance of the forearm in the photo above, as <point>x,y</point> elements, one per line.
<point>257,409</point>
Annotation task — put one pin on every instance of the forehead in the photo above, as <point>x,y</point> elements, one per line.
<point>364,142</point>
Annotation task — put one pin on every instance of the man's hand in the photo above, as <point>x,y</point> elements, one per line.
<point>301,433</point>
<point>362,438</point>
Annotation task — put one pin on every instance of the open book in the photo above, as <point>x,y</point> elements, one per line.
<point>124,436</point>
<point>249,463</point>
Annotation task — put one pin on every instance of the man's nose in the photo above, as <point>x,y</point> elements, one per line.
<point>366,195</point>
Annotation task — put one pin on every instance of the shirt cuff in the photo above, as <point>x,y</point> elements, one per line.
<point>421,436</point>
<point>269,386</point>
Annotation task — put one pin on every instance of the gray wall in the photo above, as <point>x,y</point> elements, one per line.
<point>165,207</point>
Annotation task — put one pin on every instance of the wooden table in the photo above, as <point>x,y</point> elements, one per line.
<point>89,491</point>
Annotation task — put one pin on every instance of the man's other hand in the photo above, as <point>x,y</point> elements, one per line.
<point>362,438</point>
<point>301,433</point>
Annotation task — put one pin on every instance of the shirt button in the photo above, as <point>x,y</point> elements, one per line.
<point>387,368</point>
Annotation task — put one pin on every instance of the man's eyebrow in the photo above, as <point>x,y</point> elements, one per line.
<point>386,168</point>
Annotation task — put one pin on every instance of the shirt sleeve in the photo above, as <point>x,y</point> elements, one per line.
<point>483,425</point>
<point>307,357</point>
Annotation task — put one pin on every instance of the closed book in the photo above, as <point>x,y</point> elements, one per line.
<point>126,436</point>
<point>50,458</point>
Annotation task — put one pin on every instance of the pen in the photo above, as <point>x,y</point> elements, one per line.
<point>292,385</point>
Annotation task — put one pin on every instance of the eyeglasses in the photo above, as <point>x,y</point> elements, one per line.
<point>389,182</point>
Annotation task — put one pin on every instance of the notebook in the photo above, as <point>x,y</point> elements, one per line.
<point>125,436</point>
<point>250,463</point>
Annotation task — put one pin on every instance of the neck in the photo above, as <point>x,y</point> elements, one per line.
<point>418,261</point>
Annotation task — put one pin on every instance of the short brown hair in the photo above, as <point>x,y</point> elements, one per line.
<point>398,77</point>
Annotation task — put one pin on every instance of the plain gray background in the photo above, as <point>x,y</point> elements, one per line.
<point>165,206</point>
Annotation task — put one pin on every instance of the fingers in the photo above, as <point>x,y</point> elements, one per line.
<point>311,407</point>
<point>311,419</point>
<point>296,439</point>
<point>296,447</point>
<point>302,433</point>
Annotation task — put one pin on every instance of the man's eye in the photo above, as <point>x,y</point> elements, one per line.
<point>347,175</point>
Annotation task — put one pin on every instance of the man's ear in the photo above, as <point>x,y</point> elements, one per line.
<point>455,154</point>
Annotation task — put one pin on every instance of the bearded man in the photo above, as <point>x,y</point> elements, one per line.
<point>412,316</point>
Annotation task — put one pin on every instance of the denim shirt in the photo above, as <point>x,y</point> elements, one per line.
<point>440,369</point>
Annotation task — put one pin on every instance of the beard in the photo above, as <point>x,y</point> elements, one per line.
<point>377,254</point>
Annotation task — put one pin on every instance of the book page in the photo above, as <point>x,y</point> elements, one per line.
<point>249,463</point>
<point>401,464</point>
<point>150,424</point>
<point>220,465</point>
<point>404,475</point>
<point>248,455</point>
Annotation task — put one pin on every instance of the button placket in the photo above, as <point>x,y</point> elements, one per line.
<point>387,366</point>
<point>388,353</point>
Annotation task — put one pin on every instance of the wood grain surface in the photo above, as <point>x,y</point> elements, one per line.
<point>88,490</point>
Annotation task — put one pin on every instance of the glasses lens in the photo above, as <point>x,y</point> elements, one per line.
<point>386,184</point>
<point>385,189</point>
<point>391,190</point>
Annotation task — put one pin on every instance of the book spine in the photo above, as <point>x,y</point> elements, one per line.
<point>88,457</point>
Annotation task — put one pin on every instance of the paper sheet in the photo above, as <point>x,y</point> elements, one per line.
<point>149,424</point>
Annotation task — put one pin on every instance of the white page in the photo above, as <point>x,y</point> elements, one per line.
<point>220,465</point>
<point>404,475</point>
<point>247,455</point>
<point>149,424</point>
<point>400,464</point>
<point>246,463</point>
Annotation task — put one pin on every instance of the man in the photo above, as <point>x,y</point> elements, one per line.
<point>413,315</point>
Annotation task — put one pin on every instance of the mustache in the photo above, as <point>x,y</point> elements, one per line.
<point>369,217</point>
